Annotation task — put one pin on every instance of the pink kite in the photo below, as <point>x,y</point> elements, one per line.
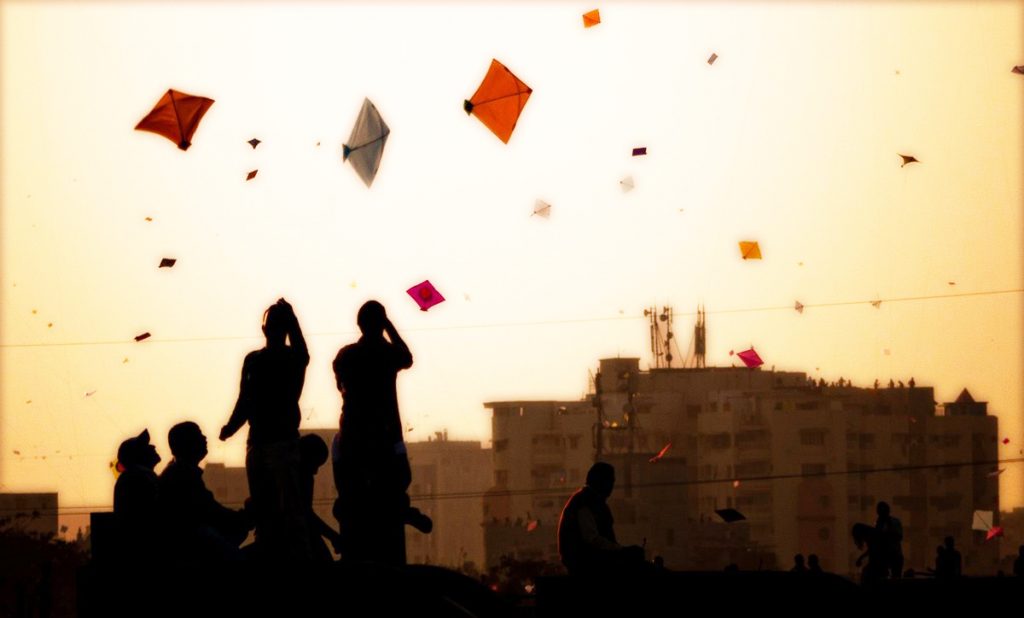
<point>532,525</point>
<point>425,295</point>
<point>750,358</point>
<point>993,532</point>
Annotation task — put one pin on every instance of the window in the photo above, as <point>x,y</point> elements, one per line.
<point>812,437</point>
<point>500,445</point>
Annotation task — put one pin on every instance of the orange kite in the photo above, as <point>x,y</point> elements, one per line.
<point>176,117</point>
<point>750,250</point>
<point>591,18</point>
<point>499,100</point>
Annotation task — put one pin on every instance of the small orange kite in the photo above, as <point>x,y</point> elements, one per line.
<point>499,100</point>
<point>750,250</point>
<point>591,18</point>
<point>176,117</point>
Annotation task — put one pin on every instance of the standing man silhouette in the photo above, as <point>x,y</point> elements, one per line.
<point>268,399</point>
<point>372,470</point>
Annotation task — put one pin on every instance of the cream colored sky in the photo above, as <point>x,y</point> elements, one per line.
<point>790,138</point>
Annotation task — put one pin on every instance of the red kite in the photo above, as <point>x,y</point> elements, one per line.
<point>167,263</point>
<point>532,525</point>
<point>993,532</point>
<point>499,100</point>
<point>1019,69</point>
<point>661,453</point>
<point>176,117</point>
<point>251,175</point>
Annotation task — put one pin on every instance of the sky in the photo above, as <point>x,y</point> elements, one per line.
<point>791,137</point>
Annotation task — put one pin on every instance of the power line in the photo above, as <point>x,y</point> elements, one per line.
<point>152,340</point>
<point>541,491</point>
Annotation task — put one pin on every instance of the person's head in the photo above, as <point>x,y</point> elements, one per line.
<point>863,534</point>
<point>138,451</point>
<point>798,560</point>
<point>601,478</point>
<point>187,442</point>
<point>812,561</point>
<point>371,318</point>
<point>949,542</point>
<point>275,324</point>
<point>882,509</point>
<point>312,452</point>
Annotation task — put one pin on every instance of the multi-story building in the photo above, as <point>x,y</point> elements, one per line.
<point>801,460</point>
<point>448,478</point>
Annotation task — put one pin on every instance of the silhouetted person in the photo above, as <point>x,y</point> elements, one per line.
<point>1018,564</point>
<point>798,564</point>
<point>198,528</point>
<point>814,565</point>
<point>866,539</point>
<point>372,470</point>
<point>313,454</point>
<point>891,383</point>
<point>268,399</point>
<point>136,492</point>
<point>948,563</point>
<point>586,535</point>
<point>890,538</point>
<point>912,383</point>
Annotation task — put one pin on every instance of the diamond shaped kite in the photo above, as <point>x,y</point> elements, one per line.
<point>876,304</point>
<point>425,295</point>
<point>750,358</point>
<point>254,143</point>
<point>167,263</point>
<point>591,18</point>
<point>730,515</point>
<point>532,525</point>
<point>176,117</point>
<point>251,175</point>
<point>993,532</point>
<point>626,184</point>
<point>1018,69</point>
<point>750,250</point>
<point>499,100</point>
<point>365,145</point>
<point>542,209</point>
<point>799,307</point>
<point>908,159</point>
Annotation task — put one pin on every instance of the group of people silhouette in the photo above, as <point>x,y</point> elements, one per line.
<point>369,461</point>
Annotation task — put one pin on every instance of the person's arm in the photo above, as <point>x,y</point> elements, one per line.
<point>325,530</point>
<point>241,412</point>
<point>295,338</point>
<point>591,536</point>
<point>403,357</point>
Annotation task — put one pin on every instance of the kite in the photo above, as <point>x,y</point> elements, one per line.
<point>532,525</point>
<point>499,100</point>
<point>750,358</point>
<point>16,452</point>
<point>982,521</point>
<point>908,159</point>
<point>90,393</point>
<point>254,143</point>
<point>639,152</point>
<point>993,532</point>
<point>591,18</point>
<point>251,175</point>
<point>996,472</point>
<point>50,325</point>
<point>750,250</point>
<point>149,218</point>
<point>951,282</point>
<point>143,337</point>
<point>542,209</point>
<point>176,117</point>
<point>712,58</point>
<point>661,453</point>
<point>365,145</point>
<point>730,515</point>
<point>736,483</point>
<point>1006,441</point>
<point>34,312</point>
<point>125,360</point>
<point>876,304</point>
<point>167,263</point>
<point>626,184</point>
<point>1019,70</point>
<point>425,295</point>
<point>799,307</point>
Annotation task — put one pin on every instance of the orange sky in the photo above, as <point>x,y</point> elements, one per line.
<point>790,138</point>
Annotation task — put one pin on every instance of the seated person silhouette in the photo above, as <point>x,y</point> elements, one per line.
<point>798,564</point>
<point>136,511</point>
<point>586,538</point>
<point>814,565</point>
<point>198,528</point>
<point>312,455</point>
<point>948,562</point>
